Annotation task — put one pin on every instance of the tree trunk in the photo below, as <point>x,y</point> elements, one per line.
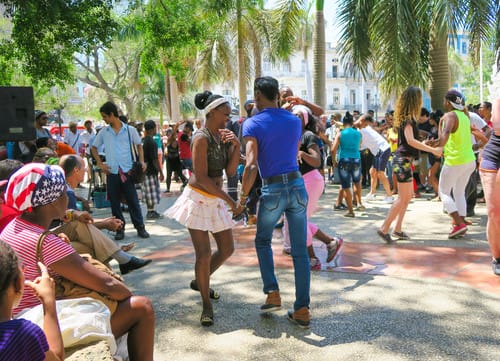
<point>242,81</point>
<point>307,74</point>
<point>439,72</point>
<point>168,104</point>
<point>319,71</point>
<point>257,55</point>
<point>174,100</point>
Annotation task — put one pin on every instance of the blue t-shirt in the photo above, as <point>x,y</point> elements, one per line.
<point>71,198</point>
<point>278,135</point>
<point>22,340</point>
<point>350,139</point>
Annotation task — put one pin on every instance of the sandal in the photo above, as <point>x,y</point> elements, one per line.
<point>128,247</point>
<point>385,236</point>
<point>402,236</point>
<point>207,319</point>
<point>213,294</point>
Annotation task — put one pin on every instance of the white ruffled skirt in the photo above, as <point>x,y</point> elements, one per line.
<point>198,210</point>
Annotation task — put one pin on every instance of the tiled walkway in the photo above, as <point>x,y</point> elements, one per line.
<point>468,265</point>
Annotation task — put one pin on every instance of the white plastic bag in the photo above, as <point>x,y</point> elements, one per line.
<point>82,321</point>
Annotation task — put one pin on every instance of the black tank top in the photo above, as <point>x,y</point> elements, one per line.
<point>217,153</point>
<point>404,149</point>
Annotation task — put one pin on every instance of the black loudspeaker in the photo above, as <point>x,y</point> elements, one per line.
<point>17,114</point>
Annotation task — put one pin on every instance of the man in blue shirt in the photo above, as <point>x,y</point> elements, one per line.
<point>118,139</point>
<point>272,138</point>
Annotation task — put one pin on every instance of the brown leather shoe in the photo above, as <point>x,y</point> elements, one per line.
<point>273,302</point>
<point>301,317</point>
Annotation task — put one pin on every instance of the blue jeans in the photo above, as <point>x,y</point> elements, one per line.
<point>116,189</point>
<point>289,198</point>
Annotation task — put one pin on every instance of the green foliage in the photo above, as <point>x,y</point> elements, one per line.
<point>46,34</point>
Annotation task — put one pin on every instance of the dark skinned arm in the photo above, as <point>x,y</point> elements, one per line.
<point>76,269</point>
<point>251,169</point>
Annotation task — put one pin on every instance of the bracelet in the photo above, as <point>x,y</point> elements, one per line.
<point>70,215</point>
<point>243,195</point>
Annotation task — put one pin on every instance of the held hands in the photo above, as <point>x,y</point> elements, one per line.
<point>104,168</point>
<point>238,211</point>
<point>43,286</point>
<point>438,152</point>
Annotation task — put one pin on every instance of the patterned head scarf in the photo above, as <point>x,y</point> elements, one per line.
<point>34,185</point>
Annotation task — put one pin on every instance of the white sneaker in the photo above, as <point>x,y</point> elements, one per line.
<point>370,197</point>
<point>389,199</point>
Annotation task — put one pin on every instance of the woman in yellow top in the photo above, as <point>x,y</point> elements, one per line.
<point>459,160</point>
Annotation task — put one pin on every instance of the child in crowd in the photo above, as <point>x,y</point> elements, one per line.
<point>21,339</point>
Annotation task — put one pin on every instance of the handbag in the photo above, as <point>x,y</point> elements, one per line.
<point>136,173</point>
<point>66,289</point>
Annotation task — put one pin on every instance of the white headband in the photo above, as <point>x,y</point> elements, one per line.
<point>215,104</point>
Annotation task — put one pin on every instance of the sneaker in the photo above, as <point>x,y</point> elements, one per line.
<point>340,207</point>
<point>496,267</point>
<point>141,232</point>
<point>333,248</point>
<point>389,199</point>
<point>459,230</point>
<point>153,215</point>
<point>133,264</point>
<point>400,236</point>
<point>315,264</point>
<point>370,197</point>
<point>273,302</point>
<point>301,317</point>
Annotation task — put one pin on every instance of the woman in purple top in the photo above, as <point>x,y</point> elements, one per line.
<point>407,112</point>
<point>20,339</point>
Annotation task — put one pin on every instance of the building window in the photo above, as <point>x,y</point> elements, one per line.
<point>464,48</point>
<point>226,92</point>
<point>286,67</point>
<point>303,94</point>
<point>352,97</point>
<point>336,96</point>
<point>335,71</point>
<point>303,66</point>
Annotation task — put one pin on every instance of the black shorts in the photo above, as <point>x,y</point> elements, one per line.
<point>329,162</point>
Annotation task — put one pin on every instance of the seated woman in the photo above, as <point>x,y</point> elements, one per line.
<point>39,192</point>
<point>20,339</point>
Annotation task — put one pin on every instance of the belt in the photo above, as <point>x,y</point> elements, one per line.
<point>281,178</point>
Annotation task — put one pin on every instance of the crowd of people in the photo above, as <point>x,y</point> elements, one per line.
<point>275,156</point>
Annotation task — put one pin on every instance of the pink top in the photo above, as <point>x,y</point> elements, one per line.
<point>23,236</point>
<point>495,116</point>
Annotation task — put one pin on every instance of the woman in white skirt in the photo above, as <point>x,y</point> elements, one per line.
<point>203,206</point>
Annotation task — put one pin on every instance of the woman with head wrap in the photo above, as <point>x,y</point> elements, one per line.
<point>204,206</point>
<point>38,191</point>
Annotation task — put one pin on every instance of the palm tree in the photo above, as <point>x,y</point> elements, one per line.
<point>319,75</point>
<point>407,41</point>
<point>242,25</point>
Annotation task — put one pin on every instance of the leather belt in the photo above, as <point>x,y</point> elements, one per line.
<point>281,178</point>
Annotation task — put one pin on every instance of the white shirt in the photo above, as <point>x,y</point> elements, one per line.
<point>74,140</point>
<point>478,122</point>
<point>373,140</point>
<point>85,137</point>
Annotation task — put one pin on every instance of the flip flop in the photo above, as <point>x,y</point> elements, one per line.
<point>128,247</point>
<point>213,294</point>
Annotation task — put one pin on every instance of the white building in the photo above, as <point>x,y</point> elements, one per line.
<point>343,91</point>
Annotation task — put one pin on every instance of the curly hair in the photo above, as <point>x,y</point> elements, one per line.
<point>408,107</point>
<point>9,269</point>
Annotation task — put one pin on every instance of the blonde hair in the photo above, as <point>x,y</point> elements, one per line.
<point>408,106</point>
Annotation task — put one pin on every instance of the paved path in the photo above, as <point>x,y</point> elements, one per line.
<point>429,298</point>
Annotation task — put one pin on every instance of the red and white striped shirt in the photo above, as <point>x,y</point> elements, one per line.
<point>23,236</point>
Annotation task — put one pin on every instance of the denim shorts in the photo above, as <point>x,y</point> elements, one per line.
<point>401,167</point>
<point>349,171</point>
<point>381,159</point>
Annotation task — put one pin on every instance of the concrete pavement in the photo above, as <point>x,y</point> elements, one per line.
<point>429,298</point>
